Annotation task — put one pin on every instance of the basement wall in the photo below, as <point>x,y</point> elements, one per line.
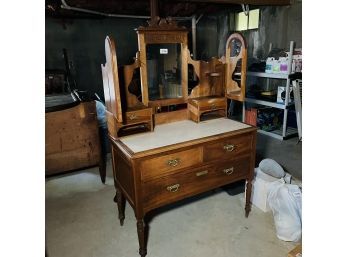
<point>278,25</point>
<point>84,41</point>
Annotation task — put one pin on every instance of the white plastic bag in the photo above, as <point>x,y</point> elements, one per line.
<point>285,201</point>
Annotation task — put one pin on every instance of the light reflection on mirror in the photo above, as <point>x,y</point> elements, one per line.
<point>163,63</point>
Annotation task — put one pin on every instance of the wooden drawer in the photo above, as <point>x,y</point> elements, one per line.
<point>138,116</point>
<point>208,103</point>
<point>175,187</point>
<point>171,188</point>
<point>212,104</point>
<point>230,170</point>
<point>227,148</point>
<point>165,164</point>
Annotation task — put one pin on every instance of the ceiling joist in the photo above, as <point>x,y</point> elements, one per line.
<point>251,2</point>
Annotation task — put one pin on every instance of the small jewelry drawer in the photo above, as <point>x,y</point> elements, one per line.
<point>138,116</point>
<point>213,104</point>
<point>199,106</point>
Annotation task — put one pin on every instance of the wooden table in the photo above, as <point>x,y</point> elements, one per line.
<point>179,160</point>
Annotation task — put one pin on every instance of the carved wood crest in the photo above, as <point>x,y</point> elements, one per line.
<point>158,23</point>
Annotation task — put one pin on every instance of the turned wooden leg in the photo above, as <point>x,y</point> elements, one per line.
<point>102,170</point>
<point>120,205</point>
<point>247,197</point>
<point>115,198</point>
<point>141,237</point>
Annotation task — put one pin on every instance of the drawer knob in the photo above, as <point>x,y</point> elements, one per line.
<point>229,147</point>
<point>174,162</point>
<point>213,106</point>
<point>132,116</point>
<point>173,188</point>
<point>228,171</point>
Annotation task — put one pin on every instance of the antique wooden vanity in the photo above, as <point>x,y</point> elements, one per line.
<point>178,152</point>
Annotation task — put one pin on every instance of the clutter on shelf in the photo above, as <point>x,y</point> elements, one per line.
<point>281,92</point>
<point>279,60</point>
<point>265,118</point>
<point>269,118</point>
<point>277,65</point>
<point>296,60</point>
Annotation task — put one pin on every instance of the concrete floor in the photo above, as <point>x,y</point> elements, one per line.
<point>288,153</point>
<point>81,220</point>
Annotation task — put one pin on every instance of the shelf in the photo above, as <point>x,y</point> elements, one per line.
<point>290,132</point>
<point>268,75</point>
<point>267,103</point>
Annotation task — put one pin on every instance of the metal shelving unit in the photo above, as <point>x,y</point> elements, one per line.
<point>278,133</point>
<point>284,132</point>
<point>268,103</point>
<point>268,75</point>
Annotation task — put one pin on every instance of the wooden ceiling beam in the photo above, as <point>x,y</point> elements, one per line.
<point>252,2</point>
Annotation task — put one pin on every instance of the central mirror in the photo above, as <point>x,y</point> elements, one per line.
<point>164,71</point>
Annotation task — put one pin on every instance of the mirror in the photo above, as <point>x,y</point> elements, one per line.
<point>236,57</point>
<point>164,71</point>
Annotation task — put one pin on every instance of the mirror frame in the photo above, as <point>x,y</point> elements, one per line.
<point>162,31</point>
<point>231,62</point>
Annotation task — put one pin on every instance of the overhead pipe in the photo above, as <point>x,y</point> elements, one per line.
<point>68,7</point>
<point>64,5</point>
<point>154,11</point>
<point>194,22</point>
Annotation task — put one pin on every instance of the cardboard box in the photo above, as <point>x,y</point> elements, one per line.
<point>251,117</point>
<point>296,252</point>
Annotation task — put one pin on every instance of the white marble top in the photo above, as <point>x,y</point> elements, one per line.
<point>179,132</point>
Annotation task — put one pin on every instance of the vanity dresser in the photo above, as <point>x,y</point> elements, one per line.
<point>184,151</point>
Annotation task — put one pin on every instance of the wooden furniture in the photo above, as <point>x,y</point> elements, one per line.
<point>169,164</point>
<point>122,114</point>
<point>219,79</point>
<point>162,45</point>
<point>208,96</point>
<point>296,252</point>
<point>236,62</point>
<point>207,104</point>
<point>180,158</point>
<point>72,140</point>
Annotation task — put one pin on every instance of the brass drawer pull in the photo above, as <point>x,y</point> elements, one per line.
<point>229,147</point>
<point>174,162</point>
<point>173,188</point>
<point>202,173</point>
<point>213,106</point>
<point>132,116</point>
<point>228,171</point>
